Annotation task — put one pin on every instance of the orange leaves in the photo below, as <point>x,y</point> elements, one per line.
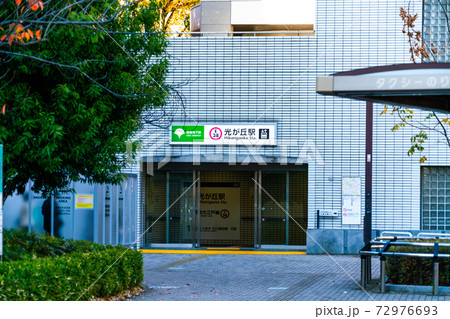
<point>19,34</point>
<point>4,109</point>
<point>34,5</point>
<point>418,47</point>
<point>26,35</point>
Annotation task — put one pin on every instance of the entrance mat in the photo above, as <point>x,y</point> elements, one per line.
<point>219,252</point>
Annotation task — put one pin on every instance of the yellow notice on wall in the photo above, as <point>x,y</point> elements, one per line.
<point>84,201</point>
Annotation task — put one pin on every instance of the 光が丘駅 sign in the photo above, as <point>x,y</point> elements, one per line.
<point>223,134</point>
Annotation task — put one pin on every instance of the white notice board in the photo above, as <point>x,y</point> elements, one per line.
<point>351,200</point>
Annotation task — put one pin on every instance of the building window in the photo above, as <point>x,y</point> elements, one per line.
<point>435,198</point>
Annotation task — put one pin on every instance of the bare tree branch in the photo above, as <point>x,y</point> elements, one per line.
<point>443,128</point>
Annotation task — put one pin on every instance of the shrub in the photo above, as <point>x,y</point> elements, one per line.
<point>20,245</point>
<point>69,275</point>
<point>417,271</point>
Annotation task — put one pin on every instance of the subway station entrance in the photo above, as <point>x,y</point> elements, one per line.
<point>226,208</point>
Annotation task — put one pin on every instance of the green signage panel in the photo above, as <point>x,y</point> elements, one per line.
<point>188,133</point>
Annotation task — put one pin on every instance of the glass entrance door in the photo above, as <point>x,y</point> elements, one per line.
<point>226,202</point>
<point>274,217</point>
<point>180,216</point>
<point>281,208</point>
<point>226,208</point>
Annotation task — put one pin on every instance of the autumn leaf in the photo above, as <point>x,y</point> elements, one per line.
<point>38,34</point>
<point>41,4</point>
<point>34,5</point>
<point>3,38</point>
<point>10,40</point>
<point>30,33</point>
<point>4,109</point>
<point>18,2</point>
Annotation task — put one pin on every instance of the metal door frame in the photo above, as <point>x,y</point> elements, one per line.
<point>196,236</point>
<point>196,209</point>
<point>258,208</point>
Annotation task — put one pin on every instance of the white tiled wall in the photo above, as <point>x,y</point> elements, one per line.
<point>272,79</point>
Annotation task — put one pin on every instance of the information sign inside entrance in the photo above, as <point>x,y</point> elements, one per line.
<point>220,211</point>
<point>224,134</point>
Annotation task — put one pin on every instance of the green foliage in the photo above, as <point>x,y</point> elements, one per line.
<point>417,271</point>
<point>68,276</point>
<point>74,99</point>
<point>21,245</point>
<point>417,142</point>
<point>175,14</point>
<point>431,123</point>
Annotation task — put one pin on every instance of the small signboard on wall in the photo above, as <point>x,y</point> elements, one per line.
<point>351,200</point>
<point>84,201</point>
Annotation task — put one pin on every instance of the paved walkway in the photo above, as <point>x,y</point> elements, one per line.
<point>261,277</point>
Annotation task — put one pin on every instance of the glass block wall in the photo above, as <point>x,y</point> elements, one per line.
<point>436,198</point>
<point>436,27</point>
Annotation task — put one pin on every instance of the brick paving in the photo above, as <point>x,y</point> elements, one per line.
<point>178,277</point>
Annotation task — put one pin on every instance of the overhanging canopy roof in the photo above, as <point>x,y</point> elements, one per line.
<point>425,85</point>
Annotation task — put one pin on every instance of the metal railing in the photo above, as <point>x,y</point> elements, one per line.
<point>379,247</point>
<point>398,234</point>
<point>432,235</point>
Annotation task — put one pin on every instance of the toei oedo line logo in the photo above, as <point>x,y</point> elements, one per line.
<point>215,133</point>
<point>188,133</point>
<point>224,213</point>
